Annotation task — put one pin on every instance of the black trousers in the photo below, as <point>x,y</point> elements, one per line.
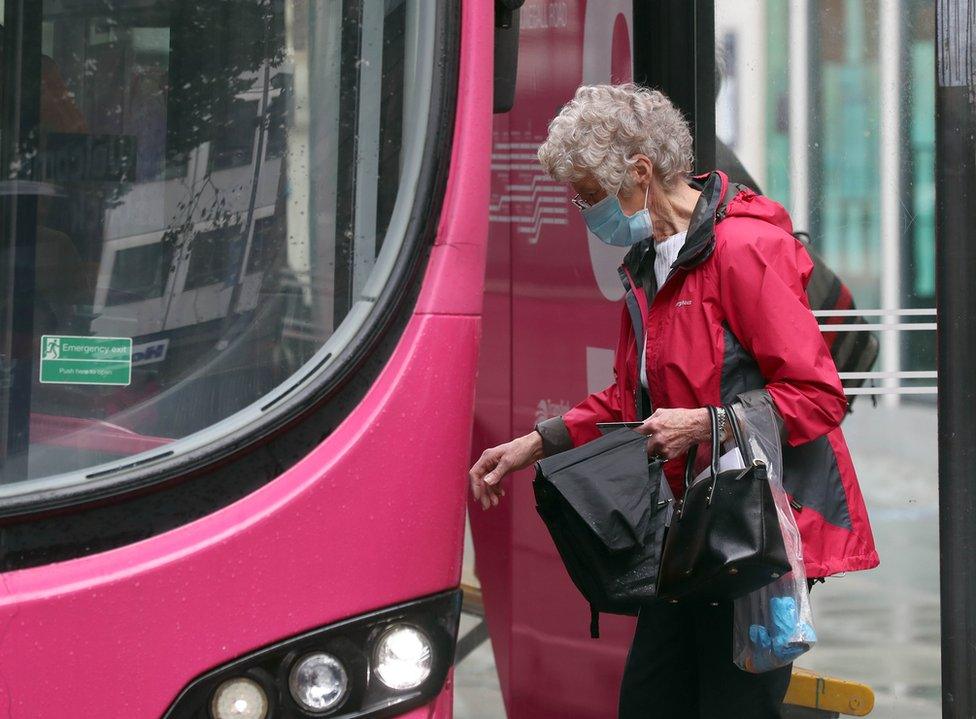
<point>680,667</point>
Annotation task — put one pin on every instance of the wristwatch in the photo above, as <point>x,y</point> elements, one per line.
<point>723,422</point>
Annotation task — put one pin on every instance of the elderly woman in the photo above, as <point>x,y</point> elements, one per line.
<point>715,313</point>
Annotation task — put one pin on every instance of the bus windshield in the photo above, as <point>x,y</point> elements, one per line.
<point>200,201</point>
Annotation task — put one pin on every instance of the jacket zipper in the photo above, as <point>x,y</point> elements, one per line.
<point>650,304</point>
<point>630,284</point>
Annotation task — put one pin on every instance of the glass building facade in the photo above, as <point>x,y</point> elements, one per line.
<point>844,113</point>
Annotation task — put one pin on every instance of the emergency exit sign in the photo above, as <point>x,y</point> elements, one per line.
<point>86,360</point>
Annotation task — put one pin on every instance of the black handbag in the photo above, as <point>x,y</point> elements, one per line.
<point>725,540</point>
<point>600,502</point>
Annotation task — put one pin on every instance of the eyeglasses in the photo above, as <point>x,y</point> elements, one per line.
<point>580,203</point>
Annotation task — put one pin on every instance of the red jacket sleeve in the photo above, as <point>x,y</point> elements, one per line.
<point>762,280</point>
<point>602,406</point>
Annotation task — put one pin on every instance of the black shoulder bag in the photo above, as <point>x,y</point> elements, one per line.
<point>601,504</point>
<point>725,540</point>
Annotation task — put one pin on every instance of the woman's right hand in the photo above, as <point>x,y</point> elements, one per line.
<point>496,462</point>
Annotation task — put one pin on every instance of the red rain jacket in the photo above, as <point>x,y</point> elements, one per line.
<point>732,323</point>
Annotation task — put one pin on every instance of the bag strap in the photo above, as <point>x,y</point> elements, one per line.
<point>744,449</point>
<point>594,622</point>
<point>693,451</point>
<point>716,440</point>
<point>690,465</point>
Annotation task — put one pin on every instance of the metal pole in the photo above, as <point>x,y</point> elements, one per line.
<point>955,149</point>
<point>889,63</point>
<point>705,83</point>
<point>799,113</point>
<point>680,61</point>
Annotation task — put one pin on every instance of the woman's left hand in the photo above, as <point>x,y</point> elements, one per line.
<point>671,432</point>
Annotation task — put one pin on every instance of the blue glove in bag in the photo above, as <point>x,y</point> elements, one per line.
<point>791,637</point>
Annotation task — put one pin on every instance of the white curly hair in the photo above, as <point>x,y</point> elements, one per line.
<point>600,130</point>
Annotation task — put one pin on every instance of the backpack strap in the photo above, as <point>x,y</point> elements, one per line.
<point>594,622</point>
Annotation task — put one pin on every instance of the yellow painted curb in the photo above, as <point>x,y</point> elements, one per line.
<point>808,689</point>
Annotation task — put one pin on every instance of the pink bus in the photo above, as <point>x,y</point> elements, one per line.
<point>242,246</point>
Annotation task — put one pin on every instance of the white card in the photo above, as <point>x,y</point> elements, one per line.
<point>730,460</point>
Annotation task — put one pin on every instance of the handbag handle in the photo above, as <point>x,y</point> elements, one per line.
<point>716,441</point>
<point>693,451</point>
<point>748,456</point>
<point>744,449</point>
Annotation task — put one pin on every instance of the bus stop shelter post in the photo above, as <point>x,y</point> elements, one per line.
<point>955,163</point>
<point>674,51</point>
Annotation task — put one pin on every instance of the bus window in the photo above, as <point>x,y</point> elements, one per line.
<point>828,108</point>
<point>221,187</point>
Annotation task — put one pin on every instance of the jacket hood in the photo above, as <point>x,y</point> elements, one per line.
<point>700,240</point>
<point>719,199</point>
<point>747,203</point>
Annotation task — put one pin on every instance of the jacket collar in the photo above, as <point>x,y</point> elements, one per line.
<point>700,242</point>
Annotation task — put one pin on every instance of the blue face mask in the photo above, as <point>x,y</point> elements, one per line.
<point>606,220</point>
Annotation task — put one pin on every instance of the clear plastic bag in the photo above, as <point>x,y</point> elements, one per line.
<point>773,625</point>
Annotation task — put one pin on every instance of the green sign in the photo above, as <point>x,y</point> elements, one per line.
<point>86,360</point>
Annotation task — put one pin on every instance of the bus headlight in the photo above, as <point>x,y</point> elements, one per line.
<point>378,664</point>
<point>403,657</point>
<point>239,698</point>
<point>318,682</point>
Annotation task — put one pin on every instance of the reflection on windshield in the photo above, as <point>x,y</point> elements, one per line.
<point>167,181</point>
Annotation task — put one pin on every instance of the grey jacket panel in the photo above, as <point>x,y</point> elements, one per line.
<point>812,477</point>
<point>810,471</point>
<point>740,372</point>
<point>759,398</point>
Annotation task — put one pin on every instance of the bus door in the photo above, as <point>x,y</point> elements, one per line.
<point>550,322</point>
